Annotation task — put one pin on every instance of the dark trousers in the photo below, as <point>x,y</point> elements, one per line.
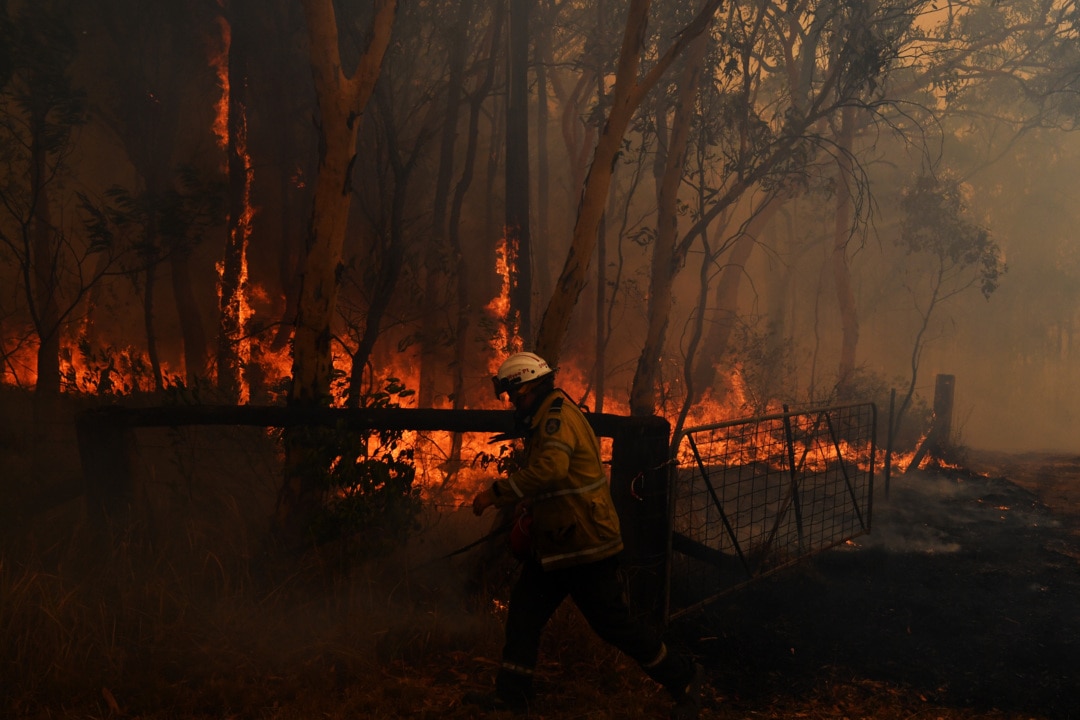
<point>597,590</point>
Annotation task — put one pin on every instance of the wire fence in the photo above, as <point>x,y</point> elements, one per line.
<point>750,497</point>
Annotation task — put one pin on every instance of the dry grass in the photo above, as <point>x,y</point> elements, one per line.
<point>134,633</point>
<point>189,614</point>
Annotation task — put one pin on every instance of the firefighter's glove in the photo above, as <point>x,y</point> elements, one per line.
<point>483,501</point>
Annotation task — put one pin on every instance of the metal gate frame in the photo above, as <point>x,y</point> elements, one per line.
<point>749,497</point>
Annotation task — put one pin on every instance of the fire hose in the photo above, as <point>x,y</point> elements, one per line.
<point>504,528</point>
<point>518,526</point>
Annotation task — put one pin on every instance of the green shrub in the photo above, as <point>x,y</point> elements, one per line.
<point>370,502</point>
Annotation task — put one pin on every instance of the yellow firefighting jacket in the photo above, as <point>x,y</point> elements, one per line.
<point>574,518</point>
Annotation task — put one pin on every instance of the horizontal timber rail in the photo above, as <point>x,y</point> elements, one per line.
<point>605,425</point>
<point>107,438</point>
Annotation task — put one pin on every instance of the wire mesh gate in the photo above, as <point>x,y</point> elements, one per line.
<point>749,497</point>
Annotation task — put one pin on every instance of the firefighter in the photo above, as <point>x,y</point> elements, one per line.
<point>575,543</point>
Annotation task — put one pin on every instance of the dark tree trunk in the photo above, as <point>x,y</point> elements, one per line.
<point>148,323</point>
<point>435,261</point>
<point>542,249</point>
<point>191,322</point>
<point>233,281</point>
<point>725,306</point>
<point>627,95</point>
<point>394,248</point>
<point>462,339</point>
<point>517,171</point>
<point>845,296</point>
<point>43,262</point>
<point>667,259</point>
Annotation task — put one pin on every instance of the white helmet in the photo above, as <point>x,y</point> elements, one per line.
<point>519,369</point>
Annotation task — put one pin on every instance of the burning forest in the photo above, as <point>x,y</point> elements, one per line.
<point>260,262</point>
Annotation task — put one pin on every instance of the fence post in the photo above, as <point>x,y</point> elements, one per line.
<point>639,487</point>
<point>890,431</point>
<point>943,412</point>
<point>106,450</point>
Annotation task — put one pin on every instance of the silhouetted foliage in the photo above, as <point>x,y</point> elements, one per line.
<point>370,503</point>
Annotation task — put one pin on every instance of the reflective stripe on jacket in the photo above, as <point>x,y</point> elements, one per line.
<point>574,518</point>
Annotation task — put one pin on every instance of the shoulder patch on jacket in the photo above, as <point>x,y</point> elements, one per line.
<point>552,424</point>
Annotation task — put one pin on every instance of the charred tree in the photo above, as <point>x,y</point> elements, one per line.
<point>40,107</point>
<point>43,243</point>
<point>464,275</point>
<point>283,149</point>
<point>518,238</point>
<point>192,330</point>
<point>437,253</point>
<point>938,441</point>
<point>232,306</point>
<point>391,241</point>
<point>542,56</point>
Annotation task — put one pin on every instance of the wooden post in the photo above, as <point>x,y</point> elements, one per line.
<point>890,431</point>
<point>639,487</point>
<point>943,412</point>
<point>106,450</point>
<point>937,441</point>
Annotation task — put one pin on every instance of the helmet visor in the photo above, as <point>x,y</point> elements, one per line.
<point>503,386</point>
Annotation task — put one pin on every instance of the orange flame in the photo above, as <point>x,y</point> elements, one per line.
<point>236,308</point>
<point>219,60</point>
<point>505,343</point>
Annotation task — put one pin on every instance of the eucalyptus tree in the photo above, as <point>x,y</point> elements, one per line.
<point>808,83</point>
<point>1004,67</point>
<point>342,95</point>
<point>152,87</point>
<point>629,90</point>
<point>55,262</point>
<point>953,254</point>
<point>394,219</point>
<point>670,164</point>
<point>459,38</point>
<point>780,74</point>
<point>486,70</point>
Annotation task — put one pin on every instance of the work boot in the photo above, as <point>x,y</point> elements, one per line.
<point>688,697</point>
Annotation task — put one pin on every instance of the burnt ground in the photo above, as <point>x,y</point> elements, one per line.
<point>964,601</point>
